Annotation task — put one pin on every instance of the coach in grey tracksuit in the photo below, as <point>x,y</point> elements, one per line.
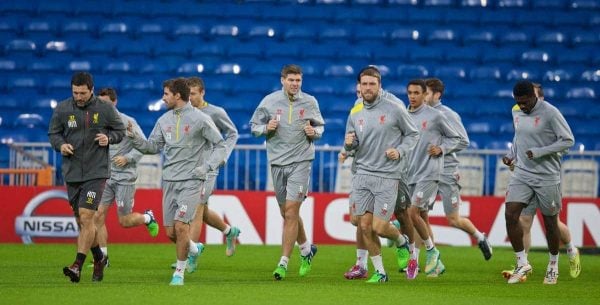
<point>541,135</point>
<point>381,134</point>
<point>291,121</point>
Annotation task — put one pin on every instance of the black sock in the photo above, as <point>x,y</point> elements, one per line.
<point>97,253</point>
<point>79,259</point>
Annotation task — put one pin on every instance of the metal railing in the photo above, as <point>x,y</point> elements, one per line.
<point>247,168</point>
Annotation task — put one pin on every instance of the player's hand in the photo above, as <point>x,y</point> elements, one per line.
<point>272,125</point>
<point>102,139</point>
<point>342,156</point>
<point>349,139</point>
<point>434,150</point>
<point>309,130</point>
<point>392,154</point>
<point>66,149</point>
<point>120,161</point>
<point>509,162</point>
<point>529,154</point>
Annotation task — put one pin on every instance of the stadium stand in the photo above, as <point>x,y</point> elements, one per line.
<point>478,48</point>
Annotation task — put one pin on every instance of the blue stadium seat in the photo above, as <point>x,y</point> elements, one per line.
<point>443,37</point>
<point>228,68</point>
<point>493,18</point>
<point>479,38</point>
<point>189,31</point>
<point>351,15</point>
<point>573,57</point>
<point>249,50</point>
<point>590,75</point>
<point>556,5</point>
<point>551,39</point>
<point>339,70</point>
<point>585,4</point>
<point>585,39</point>
<point>372,33</point>
<point>485,73</point>
<point>40,30</point>
<point>130,102</point>
<point>500,56</point>
<point>466,56</point>
<point>152,30</point>
<point>462,16</point>
<point>407,36</point>
<point>526,18</point>
<point>521,73</point>
<point>450,73</point>
<point>512,38</point>
<point>395,52</point>
<point>325,50</point>
<point>332,34</point>
<point>558,75</point>
<point>303,33</point>
<point>536,57</point>
<point>76,28</point>
<point>427,55</point>
<point>581,93</point>
<point>411,71</point>
<point>22,46</point>
<point>268,32</point>
<point>226,32</point>
<point>130,9</point>
<point>10,65</point>
<point>512,3</point>
<point>498,145</point>
<point>30,121</point>
<point>478,128</point>
<point>115,30</point>
<point>283,13</point>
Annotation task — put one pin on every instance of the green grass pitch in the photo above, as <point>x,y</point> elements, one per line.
<point>139,274</point>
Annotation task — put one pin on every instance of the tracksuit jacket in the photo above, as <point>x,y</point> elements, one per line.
<point>288,143</point>
<point>78,126</point>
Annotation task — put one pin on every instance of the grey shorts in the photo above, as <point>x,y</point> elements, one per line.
<point>180,199</point>
<point>547,198</point>
<point>373,194</point>
<point>449,190</point>
<point>121,193</point>
<point>422,194</point>
<point>403,197</point>
<point>291,181</point>
<point>207,189</point>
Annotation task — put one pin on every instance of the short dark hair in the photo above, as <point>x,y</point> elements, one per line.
<point>369,70</point>
<point>82,78</point>
<point>110,92</point>
<point>435,84</point>
<point>417,82</point>
<point>178,85</point>
<point>523,88</point>
<point>195,81</point>
<point>290,69</point>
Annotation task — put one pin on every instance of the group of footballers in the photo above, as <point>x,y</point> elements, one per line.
<point>402,159</point>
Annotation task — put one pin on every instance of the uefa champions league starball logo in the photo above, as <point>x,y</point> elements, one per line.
<point>29,225</point>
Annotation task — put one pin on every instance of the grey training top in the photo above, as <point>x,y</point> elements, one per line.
<point>546,133</point>
<point>379,126</point>
<point>450,159</point>
<point>434,129</point>
<point>288,143</point>
<point>225,126</point>
<point>126,174</point>
<point>191,143</point>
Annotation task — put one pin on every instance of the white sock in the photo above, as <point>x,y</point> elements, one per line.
<point>283,261</point>
<point>305,248</point>
<point>361,258</point>
<point>378,263</point>
<point>416,253</point>
<point>179,270</point>
<point>401,241</point>
<point>193,248</point>
<point>522,258</point>
<point>553,262</point>
<point>146,218</point>
<point>428,243</point>
<point>227,230</point>
<point>571,250</point>
<point>478,235</point>
<point>104,250</point>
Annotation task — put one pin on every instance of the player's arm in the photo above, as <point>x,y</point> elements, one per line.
<point>115,126</point>
<point>259,121</point>
<point>134,155</point>
<point>564,138</point>
<point>409,132</point>
<point>153,145</point>
<point>227,127</point>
